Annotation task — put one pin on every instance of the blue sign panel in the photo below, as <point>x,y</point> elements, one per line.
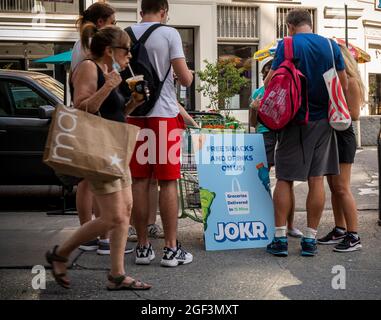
<point>235,191</point>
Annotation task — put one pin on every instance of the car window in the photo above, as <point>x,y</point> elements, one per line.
<point>5,106</point>
<point>52,85</point>
<point>25,100</point>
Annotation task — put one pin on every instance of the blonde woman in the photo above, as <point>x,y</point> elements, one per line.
<point>344,234</point>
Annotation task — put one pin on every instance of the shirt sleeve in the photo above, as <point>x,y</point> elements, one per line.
<point>258,93</point>
<point>175,46</point>
<point>339,60</point>
<point>279,56</point>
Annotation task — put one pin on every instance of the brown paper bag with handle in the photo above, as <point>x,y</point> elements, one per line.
<point>84,145</point>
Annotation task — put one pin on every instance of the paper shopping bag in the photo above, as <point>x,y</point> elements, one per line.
<point>84,145</point>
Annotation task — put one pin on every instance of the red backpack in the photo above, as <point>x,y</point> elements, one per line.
<point>285,94</point>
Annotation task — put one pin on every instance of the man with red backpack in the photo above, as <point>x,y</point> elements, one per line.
<point>305,152</point>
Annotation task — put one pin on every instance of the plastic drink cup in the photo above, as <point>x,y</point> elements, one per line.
<point>132,83</point>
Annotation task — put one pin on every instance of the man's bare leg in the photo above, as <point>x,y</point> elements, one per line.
<point>169,208</point>
<point>140,214</point>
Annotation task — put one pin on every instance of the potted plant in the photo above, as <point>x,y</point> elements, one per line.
<point>220,81</point>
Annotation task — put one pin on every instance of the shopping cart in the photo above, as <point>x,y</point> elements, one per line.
<point>189,189</point>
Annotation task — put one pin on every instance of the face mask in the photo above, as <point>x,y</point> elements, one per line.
<point>115,65</point>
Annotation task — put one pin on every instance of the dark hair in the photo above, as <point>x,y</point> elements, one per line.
<point>109,36</point>
<point>154,6</point>
<point>299,17</point>
<point>267,65</point>
<point>96,11</point>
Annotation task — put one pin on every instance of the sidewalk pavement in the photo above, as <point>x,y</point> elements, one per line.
<point>235,275</point>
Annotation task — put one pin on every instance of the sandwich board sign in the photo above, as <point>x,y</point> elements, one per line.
<point>234,190</point>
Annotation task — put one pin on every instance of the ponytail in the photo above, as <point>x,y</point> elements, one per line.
<point>88,31</point>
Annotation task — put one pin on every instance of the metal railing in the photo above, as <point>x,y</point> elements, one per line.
<point>281,26</point>
<point>29,6</point>
<point>16,5</point>
<point>237,22</point>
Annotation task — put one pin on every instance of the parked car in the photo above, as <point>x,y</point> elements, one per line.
<point>27,100</point>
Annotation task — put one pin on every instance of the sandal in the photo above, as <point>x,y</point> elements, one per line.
<point>51,257</point>
<point>118,284</point>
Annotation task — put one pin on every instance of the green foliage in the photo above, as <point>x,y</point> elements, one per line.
<point>220,81</point>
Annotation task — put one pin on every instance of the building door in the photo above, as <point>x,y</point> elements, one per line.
<point>186,96</point>
<point>375,93</point>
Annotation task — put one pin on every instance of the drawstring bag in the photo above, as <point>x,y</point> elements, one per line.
<point>338,112</point>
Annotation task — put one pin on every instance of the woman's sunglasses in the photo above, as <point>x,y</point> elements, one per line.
<point>128,50</point>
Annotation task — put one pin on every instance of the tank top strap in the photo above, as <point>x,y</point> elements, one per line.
<point>101,78</point>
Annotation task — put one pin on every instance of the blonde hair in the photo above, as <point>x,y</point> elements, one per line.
<point>352,70</point>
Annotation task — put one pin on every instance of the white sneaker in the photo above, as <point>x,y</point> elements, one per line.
<point>295,232</point>
<point>144,254</point>
<point>174,258</point>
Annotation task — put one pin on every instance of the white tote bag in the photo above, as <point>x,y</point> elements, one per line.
<point>338,112</point>
<point>237,200</point>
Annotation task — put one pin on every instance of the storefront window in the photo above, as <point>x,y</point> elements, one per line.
<point>375,93</point>
<point>244,54</point>
<point>186,96</point>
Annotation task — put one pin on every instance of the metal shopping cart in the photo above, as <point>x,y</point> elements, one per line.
<point>189,189</point>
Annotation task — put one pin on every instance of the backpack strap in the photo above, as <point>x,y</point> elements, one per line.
<point>288,49</point>
<point>131,34</point>
<point>148,32</point>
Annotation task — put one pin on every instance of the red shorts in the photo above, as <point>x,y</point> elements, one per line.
<point>157,151</point>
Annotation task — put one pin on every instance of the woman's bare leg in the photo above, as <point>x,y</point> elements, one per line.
<point>113,217</point>
<point>342,189</point>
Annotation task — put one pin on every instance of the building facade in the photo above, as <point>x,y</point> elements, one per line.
<point>30,29</point>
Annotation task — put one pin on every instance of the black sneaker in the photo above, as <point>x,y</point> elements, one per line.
<point>90,246</point>
<point>334,237</point>
<point>278,247</point>
<point>144,254</point>
<point>309,247</point>
<point>104,249</point>
<point>350,243</point>
<point>174,258</point>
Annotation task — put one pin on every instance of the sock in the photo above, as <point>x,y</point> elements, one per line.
<point>104,240</point>
<point>354,234</point>
<point>280,231</point>
<point>311,233</point>
<point>340,230</point>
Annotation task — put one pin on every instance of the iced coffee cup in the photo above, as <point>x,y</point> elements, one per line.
<point>132,82</point>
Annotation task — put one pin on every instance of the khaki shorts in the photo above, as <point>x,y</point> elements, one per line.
<point>107,187</point>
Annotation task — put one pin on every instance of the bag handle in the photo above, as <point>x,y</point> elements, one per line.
<point>333,57</point>
<point>237,185</point>
<point>288,49</point>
